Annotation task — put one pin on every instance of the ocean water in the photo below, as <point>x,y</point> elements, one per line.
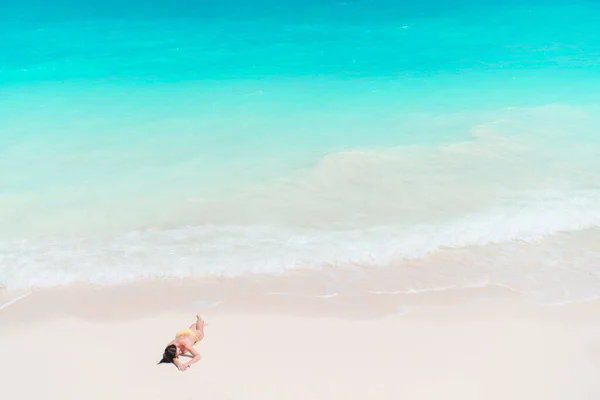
<point>180,139</point>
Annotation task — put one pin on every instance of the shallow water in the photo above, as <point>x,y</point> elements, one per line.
<point>177,140</point>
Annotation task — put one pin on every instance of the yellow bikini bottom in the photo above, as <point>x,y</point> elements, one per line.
<point>188,331</point>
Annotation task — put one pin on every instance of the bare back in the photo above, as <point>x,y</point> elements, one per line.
<point>188,337</point>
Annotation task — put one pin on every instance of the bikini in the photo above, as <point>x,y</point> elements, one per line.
<point>188,331</point>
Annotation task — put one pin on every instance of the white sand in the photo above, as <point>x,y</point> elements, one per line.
<point>448,352</point>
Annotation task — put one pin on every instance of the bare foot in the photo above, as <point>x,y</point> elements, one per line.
<point>199,319</point>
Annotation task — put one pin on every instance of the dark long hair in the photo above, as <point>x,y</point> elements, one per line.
<point>169,354</point>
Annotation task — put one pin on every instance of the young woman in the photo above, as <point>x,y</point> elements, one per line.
<point>183,343</point>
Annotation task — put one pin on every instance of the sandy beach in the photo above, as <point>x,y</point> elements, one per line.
<point>105,342</point>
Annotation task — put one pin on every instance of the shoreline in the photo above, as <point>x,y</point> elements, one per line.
<point>336,293</point>
<point>291,337</point>
<point>305,293</point>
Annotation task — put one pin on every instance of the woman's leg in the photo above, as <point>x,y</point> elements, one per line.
<point>198,327</point>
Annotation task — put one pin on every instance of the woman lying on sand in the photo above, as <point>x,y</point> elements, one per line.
<point>183,343</point>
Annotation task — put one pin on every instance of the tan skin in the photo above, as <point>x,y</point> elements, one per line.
<point>185,345</point>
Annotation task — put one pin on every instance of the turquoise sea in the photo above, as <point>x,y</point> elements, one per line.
<point>155,139</point>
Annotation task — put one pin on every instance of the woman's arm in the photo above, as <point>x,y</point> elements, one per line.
<point>195,359</point>
<point>181,366</point>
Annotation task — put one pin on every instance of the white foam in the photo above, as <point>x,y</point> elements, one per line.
<point>447,288</point>
<point>13,300</point>
<point>328,296</point>
<point>234,250</point>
